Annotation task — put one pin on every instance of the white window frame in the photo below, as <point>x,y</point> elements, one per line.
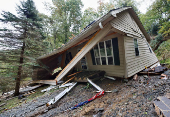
<point>106,56</point>
<point>134,46</point>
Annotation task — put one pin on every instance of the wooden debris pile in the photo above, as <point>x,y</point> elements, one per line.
<point>162,106</point>
<point>83,75</point>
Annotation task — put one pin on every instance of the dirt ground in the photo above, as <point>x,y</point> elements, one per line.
<point>127,99</point>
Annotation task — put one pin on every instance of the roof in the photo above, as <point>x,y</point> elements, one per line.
<point>92,28</point>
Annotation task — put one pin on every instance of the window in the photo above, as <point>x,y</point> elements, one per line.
<point>149,47</point>
<point>136,47</point>
<point>103,53</point>
<point>83,62</point>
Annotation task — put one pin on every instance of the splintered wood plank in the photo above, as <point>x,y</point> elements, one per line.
<point>89,45</point>
<point>68,80</point>
<point>73,74</point>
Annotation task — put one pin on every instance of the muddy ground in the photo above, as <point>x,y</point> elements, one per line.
<point>127,99</point>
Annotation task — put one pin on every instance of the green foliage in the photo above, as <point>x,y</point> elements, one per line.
<point>163,52</point>
<point>165,29</point>
<point>66,14</point>
<point>104,8</point>
<point>125,3</point>
<point>23,33</point>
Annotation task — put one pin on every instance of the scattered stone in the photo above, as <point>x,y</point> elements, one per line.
<point>115,91</point>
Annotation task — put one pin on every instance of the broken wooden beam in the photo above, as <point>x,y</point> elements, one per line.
<point>68,80</point>
<point>88,46</point>
<point>59,96</point>
<point>73,74</point>
<point>50,82</point>
<point>96,86</point>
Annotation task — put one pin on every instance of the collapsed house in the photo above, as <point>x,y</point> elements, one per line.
<point>117,43</point>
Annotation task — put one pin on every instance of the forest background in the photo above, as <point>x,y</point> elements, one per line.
<point>30,34</point>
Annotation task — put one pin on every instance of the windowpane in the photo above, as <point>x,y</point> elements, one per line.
<point>109,51</point>
<point>137,51</point>
<point>103,60</point>
<point>108,43</point>
<point>135,42</point>
<point>98,61</point>
<point>108,48</point>
<point>96,51</point>
<point>110,60</point>
<point>102,50</point>
<point>136,47</point>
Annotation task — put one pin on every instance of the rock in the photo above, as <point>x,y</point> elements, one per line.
<point>126,103</point>
<point>115,91</point>
<point>134,96</point>
<point>120,114</point>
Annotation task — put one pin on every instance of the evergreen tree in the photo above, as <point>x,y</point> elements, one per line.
<point>24,34</point>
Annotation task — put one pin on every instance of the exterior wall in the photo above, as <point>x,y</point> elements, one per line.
<point>111,70</point>
<point>134,63</point>
<point>124,22</point>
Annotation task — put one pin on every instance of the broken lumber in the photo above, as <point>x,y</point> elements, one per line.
<point>110,77</point>
<point>66,85</point>
<point>135,77</point>
<point>96,86</point>
<point>68,80</point>
<point>59,96</point>
<point>73,74</point>
<point>49,88</point>
<point>30,88</point>
<point>50,82</point>
<point>88,46</point>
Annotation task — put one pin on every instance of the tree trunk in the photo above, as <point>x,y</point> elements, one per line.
<point>160,42</point>
<point>157,45</point>
<point>18,79</point>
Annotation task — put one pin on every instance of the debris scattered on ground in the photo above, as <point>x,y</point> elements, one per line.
<point>66,85</point>
<point>109,77</point>
<point>131,98</point>
<point>163,76</point>
<point>59,96</point>
<point>2,104</point>
<point>135,77</point>
<point>49,88</point>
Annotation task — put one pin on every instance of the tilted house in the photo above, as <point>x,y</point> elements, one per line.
<point>116,43</point>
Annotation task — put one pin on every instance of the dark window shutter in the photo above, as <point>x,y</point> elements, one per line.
<point>92,56</point>
<point>116,51</point>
